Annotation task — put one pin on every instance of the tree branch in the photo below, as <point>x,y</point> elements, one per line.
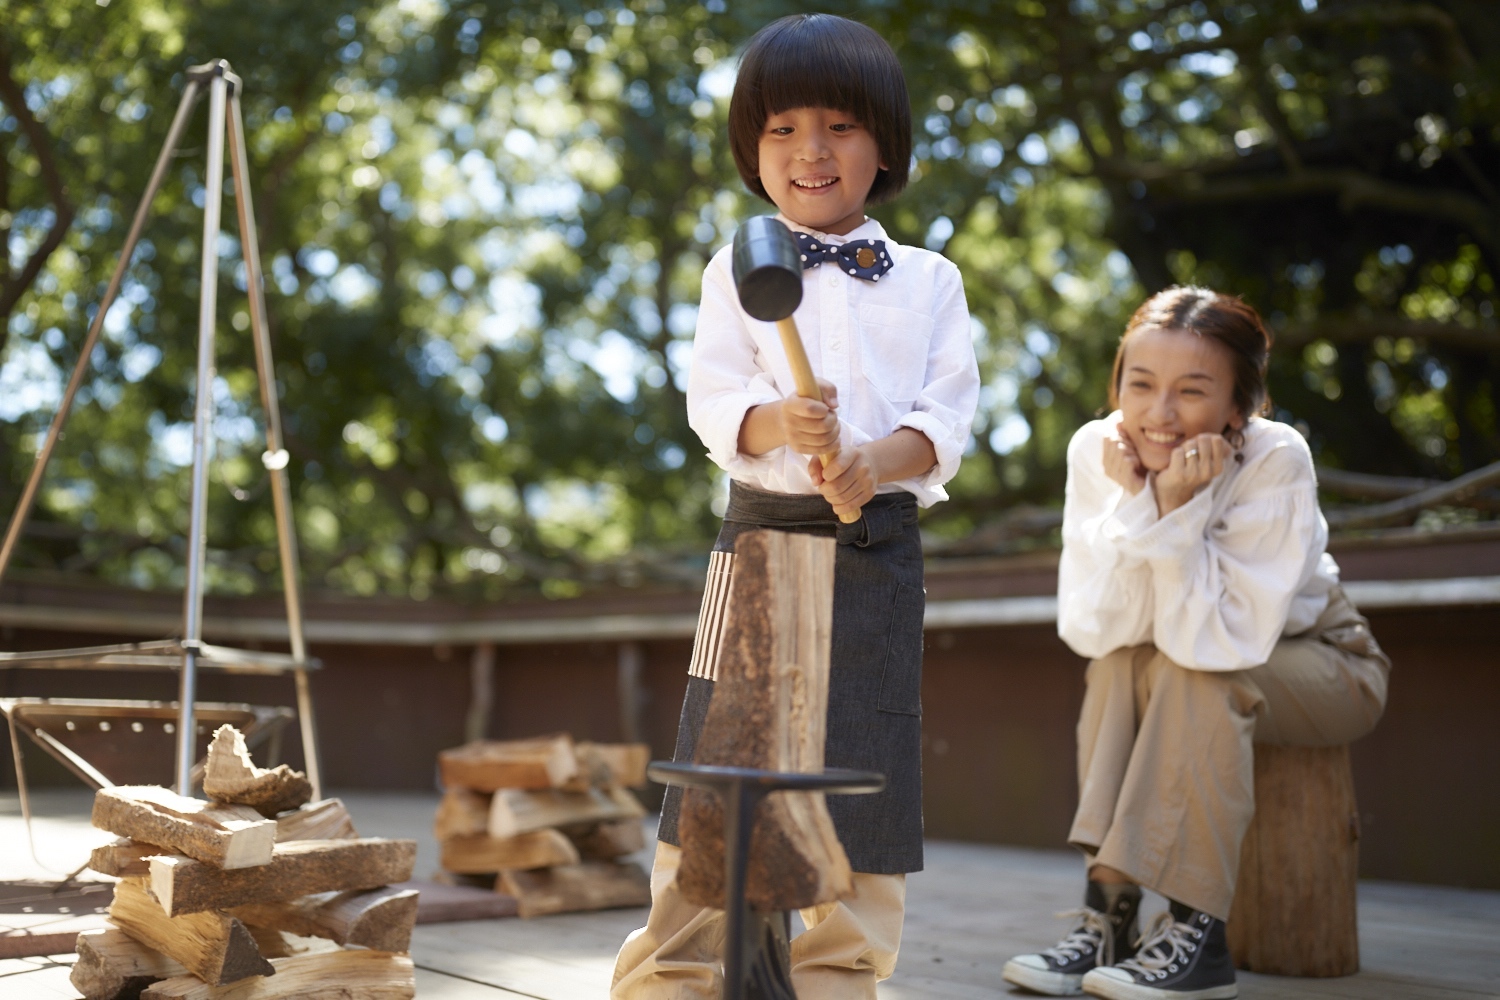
<point>1353,189</point>
<point>1348,329</point>
<point>14,97</point>
<point>1397,511</point>
<point>1364,486</point>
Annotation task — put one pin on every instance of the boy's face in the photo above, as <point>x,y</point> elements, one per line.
<point>817,165</point>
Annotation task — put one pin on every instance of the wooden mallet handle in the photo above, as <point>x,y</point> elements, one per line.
<point>807,383</point>
<point>768,279</point>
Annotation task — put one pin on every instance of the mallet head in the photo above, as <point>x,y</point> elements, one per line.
<point>767,269</point>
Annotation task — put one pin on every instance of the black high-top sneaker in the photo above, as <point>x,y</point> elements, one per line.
<point>1103,935</point>
<point>1183,956</point>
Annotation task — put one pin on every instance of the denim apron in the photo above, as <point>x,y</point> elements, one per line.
<point>874,687</point>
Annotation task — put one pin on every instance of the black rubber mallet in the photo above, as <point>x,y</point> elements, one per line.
<point>768,277</point>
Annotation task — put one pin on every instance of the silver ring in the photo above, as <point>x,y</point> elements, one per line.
<point>1191,453</point>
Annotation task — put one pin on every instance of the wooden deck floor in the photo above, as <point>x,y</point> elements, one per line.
<point>973,908</point>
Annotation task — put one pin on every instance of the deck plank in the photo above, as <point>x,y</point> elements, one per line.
<point>973,908</point>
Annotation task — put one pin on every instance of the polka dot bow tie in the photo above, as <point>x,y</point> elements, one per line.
<point>866,259</point>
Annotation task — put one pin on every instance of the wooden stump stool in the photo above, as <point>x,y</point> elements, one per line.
<point>1294,905</point>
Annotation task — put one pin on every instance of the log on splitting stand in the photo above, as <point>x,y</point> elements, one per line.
<point>744,849</point>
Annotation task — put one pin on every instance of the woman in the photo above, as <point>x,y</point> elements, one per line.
<point>1194,576</point>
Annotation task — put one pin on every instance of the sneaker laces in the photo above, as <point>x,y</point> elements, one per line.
<point>1093,933</point>
<point>1165,946</point>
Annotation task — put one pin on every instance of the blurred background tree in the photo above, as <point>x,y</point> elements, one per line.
<point>484,223</point>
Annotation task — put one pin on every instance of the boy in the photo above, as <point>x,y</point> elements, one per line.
<point>820,126</point>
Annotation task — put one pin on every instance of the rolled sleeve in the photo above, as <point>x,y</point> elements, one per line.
<point>944,410</point>
<point>726,377</point>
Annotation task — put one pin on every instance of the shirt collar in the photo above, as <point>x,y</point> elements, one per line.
<point>867,230</point>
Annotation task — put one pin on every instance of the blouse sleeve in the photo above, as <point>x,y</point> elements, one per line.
<point>725,378</point>
<point>1104,594</point>
<point>1221,591</point>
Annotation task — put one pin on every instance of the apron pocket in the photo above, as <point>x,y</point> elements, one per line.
<point>901,681</point>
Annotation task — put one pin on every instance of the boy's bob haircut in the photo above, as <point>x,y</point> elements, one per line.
<point>822,61</point>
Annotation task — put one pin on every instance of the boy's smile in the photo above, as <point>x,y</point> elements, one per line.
<point>817,164</point>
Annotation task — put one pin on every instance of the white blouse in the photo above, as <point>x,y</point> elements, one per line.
<point>899,350</point>
<point>1214,583</point>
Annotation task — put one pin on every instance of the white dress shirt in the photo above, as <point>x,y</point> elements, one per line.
<point>1214,583</point>
<point>899,350</point>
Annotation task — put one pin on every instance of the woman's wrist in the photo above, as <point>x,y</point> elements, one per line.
<point>1168,499</point>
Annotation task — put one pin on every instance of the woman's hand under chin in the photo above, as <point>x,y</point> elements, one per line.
<point>1122,464</point>
<point>1193,465</point>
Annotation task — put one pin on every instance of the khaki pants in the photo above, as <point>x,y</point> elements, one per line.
<point>1166,754</point>
<point>848,946</point>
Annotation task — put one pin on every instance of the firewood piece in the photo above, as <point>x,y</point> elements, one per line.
<point>488,765</point>
<point>537,849</point>
<point>607,841</point>
<point>513,811</point>
<point>124,858</point>
<point>589,885</point>
<point>603,764</point>
<point>230,836</point>
<point>214,947</point>
<point>461,813</point>
<point>1294,905</point>
<point>458,880</point>
<point>326,819</point>
<point>379,919</point>
<point>627,762</point>
<point>327,975</point>
<point>112,965</point>
<point>769,710</point>
<point>299,868</point>
<point>231,776</point>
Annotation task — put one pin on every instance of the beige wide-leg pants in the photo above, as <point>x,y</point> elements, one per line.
<point>1166,754</point>
<point>847,948</point>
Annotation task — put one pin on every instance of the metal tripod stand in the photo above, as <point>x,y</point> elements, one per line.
<point>190,654</point>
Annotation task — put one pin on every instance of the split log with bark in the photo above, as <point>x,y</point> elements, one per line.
<point>462,813</point>
<point>485,854</point>
<point>607,841</point>
<point>601,765</point>
<point>326,819</point>
<point>231,776</point>
<point>229,836</point>
<point>379,919</point>
<point>589,885</point>
<point>514,811</point>
<point>769,710</point>
<point>213,946</point>
<point>328,975</point>
<point>112,965</point>
<point>489,765</point>
<point>298,868</point>
<point>124,858</point>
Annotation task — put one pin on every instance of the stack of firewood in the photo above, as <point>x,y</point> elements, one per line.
<point>547,819</point>
<point>257,882</point>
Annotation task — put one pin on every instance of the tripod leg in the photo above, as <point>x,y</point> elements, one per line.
<point>275,458</point>
<point>203,415</point>
<point>75,382</point>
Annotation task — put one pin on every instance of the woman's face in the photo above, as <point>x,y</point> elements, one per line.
<point>1174,385</point>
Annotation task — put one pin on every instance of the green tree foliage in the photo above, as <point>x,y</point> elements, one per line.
<point>484,224</point>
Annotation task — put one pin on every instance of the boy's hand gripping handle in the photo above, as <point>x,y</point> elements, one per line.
<point>807,383</point>
<point>768,278</point>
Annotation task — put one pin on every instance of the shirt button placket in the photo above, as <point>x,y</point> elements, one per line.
<point>836,327</point>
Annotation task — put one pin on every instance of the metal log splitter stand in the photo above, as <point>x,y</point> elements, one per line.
<point>757,954</point>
